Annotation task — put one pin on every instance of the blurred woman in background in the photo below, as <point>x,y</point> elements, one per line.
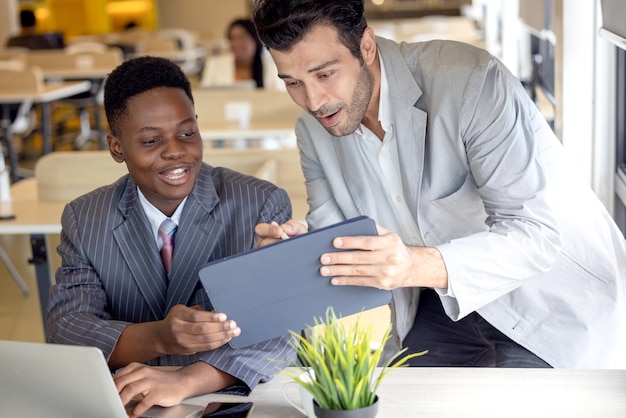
<point>247,49</point>
<point>246,64</point>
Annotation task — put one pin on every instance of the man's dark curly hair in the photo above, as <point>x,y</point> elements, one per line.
<point>136,76</point>
<point>281,24</point>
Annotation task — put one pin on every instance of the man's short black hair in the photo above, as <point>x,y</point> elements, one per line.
<point>281,24</point>
<point>27,19</point>
<point>136,76</point>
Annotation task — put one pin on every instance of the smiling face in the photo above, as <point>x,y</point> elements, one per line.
<point>325,79</point>
<point>158,139</point>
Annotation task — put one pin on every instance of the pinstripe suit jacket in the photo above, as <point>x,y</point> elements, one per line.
<point>112,274</point>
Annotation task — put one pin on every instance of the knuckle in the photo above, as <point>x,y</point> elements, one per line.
<point>356,270</point>
<point>387,283</point>
<point>392,259</point>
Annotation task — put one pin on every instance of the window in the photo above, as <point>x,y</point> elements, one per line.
<point>614,30</point>
<point>620,138</point>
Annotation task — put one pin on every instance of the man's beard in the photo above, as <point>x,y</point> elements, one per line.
<point>361,97</point>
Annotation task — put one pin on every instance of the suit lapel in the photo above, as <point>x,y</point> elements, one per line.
<point>410,125</point>
<point>138,248</point>
<point>411,139</point>
<point>195,238</point>
<point>410,122</point>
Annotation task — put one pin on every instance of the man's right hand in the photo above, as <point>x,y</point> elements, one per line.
<point>192,330</point>
<point>270,233</point>
<point>184,331</point>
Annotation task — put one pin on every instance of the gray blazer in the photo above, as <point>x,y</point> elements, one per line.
<point>526,245</point>
<point>112,274</point>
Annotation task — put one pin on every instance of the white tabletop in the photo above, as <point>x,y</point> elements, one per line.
<point>250,114</point>
<point>255,130</point>
<point>71,73</point>
<point>179,54</point>
<point>31,215</point>
<point>470,392</point>
<point>281,132</point>
<point>49,93</point>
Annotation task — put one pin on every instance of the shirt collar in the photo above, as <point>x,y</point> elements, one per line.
<point>384,116</point>
<point>155,216</point>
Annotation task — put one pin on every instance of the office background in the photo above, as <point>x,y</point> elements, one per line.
<point>588,86</point>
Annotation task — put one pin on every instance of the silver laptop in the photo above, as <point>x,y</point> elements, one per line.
<point>53,380</point>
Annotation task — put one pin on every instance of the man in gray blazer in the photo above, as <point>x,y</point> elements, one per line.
<point>112,290</point>
<point>496,253</point>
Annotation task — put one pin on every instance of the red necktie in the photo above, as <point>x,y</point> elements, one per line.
<point>166,231</point>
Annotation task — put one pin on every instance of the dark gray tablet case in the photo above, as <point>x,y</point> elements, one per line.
<point>276,288</point>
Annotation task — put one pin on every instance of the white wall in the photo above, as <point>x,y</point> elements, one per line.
<point>209,18</point>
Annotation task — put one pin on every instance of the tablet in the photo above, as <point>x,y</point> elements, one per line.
<point>276,288</point>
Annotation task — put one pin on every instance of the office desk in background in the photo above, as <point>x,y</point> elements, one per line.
<point>279,133</point>
<point>469,392</point>
<point>246,114</point>
<point>96,77</point>
<point>52,91</point>
<point>75,64</point>
<point>37,219</point>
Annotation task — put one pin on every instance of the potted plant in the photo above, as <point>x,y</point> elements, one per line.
<point>340,367</point>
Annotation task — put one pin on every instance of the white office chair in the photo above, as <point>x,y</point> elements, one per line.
<point>190,60</point>
<point>89,55</point>
<point>20,124</point>
<point>17,121</point>
<point>23,118</point>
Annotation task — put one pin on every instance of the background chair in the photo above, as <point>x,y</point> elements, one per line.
<point>88,104</point>
<point>18,118</point>
<point>14,72</point>
<point>76,63</point>
<point>156,46</point>
<point>86,47</point>
<point>178,45</point>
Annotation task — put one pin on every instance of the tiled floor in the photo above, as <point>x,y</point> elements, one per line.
<point>20,316</point>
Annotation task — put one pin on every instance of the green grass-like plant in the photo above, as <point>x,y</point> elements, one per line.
<point>343,363</point>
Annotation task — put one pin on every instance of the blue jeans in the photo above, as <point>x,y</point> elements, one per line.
<point>470,342</point>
